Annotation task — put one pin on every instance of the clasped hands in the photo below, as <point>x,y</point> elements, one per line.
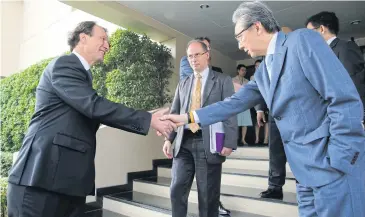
<point>164,123</point>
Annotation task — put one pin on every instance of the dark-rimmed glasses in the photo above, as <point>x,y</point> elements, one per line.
<point>238,36</point>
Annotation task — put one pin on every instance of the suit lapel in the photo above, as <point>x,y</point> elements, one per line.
<point>208,86</point>
<point>88,72</point>
<point>265,78</point>
<point>334,42</point>
<point>277,65</point>
<point>188,90</point>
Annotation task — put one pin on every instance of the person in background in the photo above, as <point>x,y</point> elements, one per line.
<point>262,114</point>
<point>186,71</point>
<point>191,153</point>
<point>348,52</point>
<point>244,118</point>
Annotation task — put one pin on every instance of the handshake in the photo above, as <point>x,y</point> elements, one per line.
<point>165,123</point>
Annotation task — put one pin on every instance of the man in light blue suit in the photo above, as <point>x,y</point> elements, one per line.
<point>315,106</point>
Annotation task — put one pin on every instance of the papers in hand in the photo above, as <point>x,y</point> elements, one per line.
<point>216,132</point>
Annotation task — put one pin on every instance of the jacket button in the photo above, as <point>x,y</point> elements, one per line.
<point>278,118</point>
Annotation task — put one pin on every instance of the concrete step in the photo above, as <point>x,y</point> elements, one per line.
<point>249,164</point>
<point>103,213</point>
<point>136,204</point>
<point>243,178</point>
<point>236,198</point>
<point>252,152</point>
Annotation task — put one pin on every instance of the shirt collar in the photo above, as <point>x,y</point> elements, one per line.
<point>204,73</point>
<point>272,44</point>
<point>82,60</point>
<point>329,41</point>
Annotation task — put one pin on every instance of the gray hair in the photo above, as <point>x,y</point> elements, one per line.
<point>204,46</point>
<point>250,12</point>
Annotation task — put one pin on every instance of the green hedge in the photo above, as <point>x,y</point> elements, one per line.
<point>135,72</point>
<point>3,201</point>
<point>6,162</point>
<point>17,103</point>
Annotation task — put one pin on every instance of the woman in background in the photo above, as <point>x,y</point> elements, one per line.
<point>266,112</point>
<point>244,118</point>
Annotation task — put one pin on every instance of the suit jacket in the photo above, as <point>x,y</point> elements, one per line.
<point>315,106</point>
<point>58,150</point>
<point>218,86</point>
<point>351,57</point>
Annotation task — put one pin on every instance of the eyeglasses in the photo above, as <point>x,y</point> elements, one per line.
<point>192,56</point>
<point>238,36</point>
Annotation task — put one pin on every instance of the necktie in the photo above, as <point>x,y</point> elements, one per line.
<point>269,60</point>
<point>196,101</point>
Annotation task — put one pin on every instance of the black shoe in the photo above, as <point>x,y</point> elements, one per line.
<point>272,194</point>
<point>222,210</point>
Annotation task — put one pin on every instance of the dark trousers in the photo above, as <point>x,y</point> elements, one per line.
<point>25,201</point>
<point>191,160</point>
<point>277,170</point>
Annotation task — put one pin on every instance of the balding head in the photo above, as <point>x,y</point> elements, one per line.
<point>198,55</point>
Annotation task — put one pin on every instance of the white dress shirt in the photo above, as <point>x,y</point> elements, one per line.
<point>329,41</point>
<point>82,60</point>
<point>271,50</point>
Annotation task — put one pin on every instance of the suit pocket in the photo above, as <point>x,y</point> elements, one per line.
<point>320,132</point>
<point>74,159</point>
<point>70,143</point>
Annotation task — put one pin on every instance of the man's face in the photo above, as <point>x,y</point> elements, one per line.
<point>198,58</point>
<point>242,71</point>
<point>96,45</point>
<point>247,38</point>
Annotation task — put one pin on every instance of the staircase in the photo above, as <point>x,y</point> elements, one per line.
<point>245,175</point>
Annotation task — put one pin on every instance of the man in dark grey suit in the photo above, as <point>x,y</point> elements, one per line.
<point>55,168</point>
<point>185,71</point>
<point>277,157</point>
<point>327,24</point>
<point>192,155</point>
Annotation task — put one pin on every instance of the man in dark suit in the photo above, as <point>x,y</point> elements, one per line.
<point>327,24</point>
<point>54,171</point>
<point>192,155</point>
<point>186,71</point>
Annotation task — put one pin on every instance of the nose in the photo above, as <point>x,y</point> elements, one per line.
<point>106,46</point>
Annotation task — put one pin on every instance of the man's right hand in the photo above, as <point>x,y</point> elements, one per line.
<point>167,149</point>
<point>165,127</point>
<point>260,117</point>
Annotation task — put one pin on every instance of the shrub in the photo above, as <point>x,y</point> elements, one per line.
<point>3,201</point>
<point>17,104</point>
<point>6,163</point>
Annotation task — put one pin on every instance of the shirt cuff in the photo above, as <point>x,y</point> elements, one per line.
<point>196,118</point>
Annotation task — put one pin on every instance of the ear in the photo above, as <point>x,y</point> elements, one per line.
<point>259,27</point>
<point>322,29</point>
<point>82,38</point>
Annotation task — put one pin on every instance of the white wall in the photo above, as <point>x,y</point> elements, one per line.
<point>35,30</point>
<point>47,24</point>
<point>119,152</point>
<point>11,14</point>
